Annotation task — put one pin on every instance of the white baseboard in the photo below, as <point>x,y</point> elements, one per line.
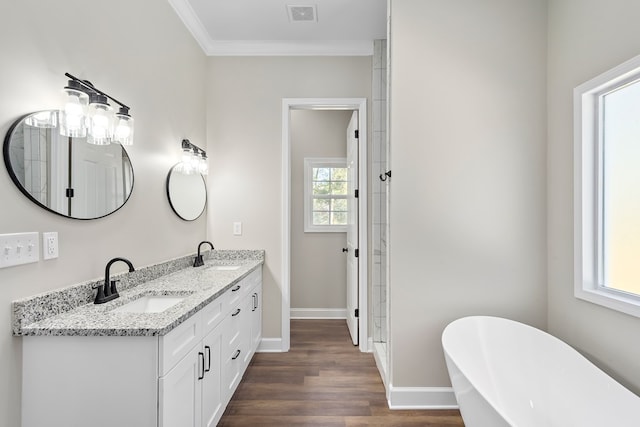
<point>318,313</point>
<point>422,398</point>
<point>270,345</point>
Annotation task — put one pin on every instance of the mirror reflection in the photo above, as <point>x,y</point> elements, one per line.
<point>66,175</point>
<point>187,193</point>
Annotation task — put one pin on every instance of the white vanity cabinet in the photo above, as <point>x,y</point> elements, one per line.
<point>182,379</point>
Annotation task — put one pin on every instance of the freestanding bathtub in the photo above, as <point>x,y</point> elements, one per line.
<point>505,373</point>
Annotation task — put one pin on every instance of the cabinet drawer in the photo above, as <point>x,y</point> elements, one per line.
<point>213,313</point>
<point>177,343</point>
<point>242,288</point>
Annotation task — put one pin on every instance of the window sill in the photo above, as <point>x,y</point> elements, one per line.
<point>613,300</point>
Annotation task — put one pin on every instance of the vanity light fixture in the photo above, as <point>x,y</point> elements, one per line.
<point>194,159</point>
<point>86,112</point>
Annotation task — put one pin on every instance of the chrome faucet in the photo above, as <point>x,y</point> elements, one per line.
<point>198,262</point>
<point>108,290</point>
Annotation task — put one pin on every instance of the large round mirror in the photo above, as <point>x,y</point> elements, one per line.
<point>66,175</point>
<point>187,193</point>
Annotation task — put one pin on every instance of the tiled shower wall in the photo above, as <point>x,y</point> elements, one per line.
<point>379,192</point>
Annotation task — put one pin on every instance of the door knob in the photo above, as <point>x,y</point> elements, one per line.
<point>345,249</point>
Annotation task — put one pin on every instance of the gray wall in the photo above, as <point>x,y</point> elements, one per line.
<point>244,130</point>
<point>586,38</point>
<point>468,207</point>
<point>318,266</point>
<point>141,53</point>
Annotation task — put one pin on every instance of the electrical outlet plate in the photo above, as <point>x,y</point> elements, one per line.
<point>19,248</point>
<point>50,245</point>
<point>237,229</point>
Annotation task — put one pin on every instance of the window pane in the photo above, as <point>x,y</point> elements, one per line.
<point>339,174</point>
<point>321,187</point>
<point>621,189</point>
<point>321,174</point>
<point>321,204</point>
<point>339,205</point>
<point>339,218</point>
<point>339,188</point>
<point>321,218</point>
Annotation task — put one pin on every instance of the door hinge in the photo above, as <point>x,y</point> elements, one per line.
<point>357,253</point>
<point>69,192</point>
<point>357,134</point>
<point>357,312</point>
<point>357,194</point>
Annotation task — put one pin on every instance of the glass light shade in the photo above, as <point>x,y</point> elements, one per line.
<point>44,119</point>
<point>185,167</point>
<point>73,114</point>
<point>123,131</point>
<point>100,123</point>
<point>203,167</point>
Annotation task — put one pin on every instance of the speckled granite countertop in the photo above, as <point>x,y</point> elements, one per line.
<point>199,286</point>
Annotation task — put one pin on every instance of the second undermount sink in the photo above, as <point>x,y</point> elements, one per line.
<point>226,267</point>
<point>149,304</point>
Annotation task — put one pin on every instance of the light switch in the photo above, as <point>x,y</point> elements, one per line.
<point>19,248</point>
<point>237,229</point>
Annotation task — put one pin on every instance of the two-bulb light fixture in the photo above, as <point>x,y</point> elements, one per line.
<point>194,159</point>
<point>86,113</point>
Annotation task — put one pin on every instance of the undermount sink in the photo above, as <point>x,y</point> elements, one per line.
<point>149,304</point>
<point>226,267</point>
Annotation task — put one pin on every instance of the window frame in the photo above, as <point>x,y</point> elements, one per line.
<point>309,164</point>
<point>588,190</point>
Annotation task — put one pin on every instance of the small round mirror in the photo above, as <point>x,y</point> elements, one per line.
<point>66,175</point>
<point>187,193</point>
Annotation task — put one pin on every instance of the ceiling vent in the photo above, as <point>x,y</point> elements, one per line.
<point>299,13</point>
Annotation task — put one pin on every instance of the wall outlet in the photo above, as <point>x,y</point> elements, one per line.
<point>237,229</point>
<point>19,248</point>
<point>50,245</point>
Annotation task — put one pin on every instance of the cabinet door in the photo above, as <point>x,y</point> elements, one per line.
<point>256,318</point>
<point>246,335</point>
<point>212,402</point>
<point>180,392</point>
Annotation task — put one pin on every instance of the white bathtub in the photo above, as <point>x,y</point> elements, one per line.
<point>505,373</point>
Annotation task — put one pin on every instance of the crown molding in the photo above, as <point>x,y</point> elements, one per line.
<point>266,47</point>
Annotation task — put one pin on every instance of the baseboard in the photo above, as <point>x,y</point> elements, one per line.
<point>270,345</point>
<point>318,313</point>
<point>422,398</point>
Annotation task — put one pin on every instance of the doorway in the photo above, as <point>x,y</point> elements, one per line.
<point>354,104</point>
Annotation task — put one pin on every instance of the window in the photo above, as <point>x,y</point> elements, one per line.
<point>607,189</point>
<point>325,195</point>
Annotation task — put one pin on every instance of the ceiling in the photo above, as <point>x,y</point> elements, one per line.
<point>284,27</point>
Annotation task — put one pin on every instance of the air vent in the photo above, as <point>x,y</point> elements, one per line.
<point>299,13</point>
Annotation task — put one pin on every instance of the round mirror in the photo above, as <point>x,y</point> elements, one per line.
<point>187,193</point>
<point>66,175</point>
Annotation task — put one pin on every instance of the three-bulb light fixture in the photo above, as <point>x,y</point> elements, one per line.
<point>87,113</point>
<point>194,159</point>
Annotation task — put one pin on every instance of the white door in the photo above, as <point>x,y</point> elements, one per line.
<point>180,392</point>
<point>352,228</point>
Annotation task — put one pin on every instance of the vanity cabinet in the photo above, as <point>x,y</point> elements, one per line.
<point>182,379</point>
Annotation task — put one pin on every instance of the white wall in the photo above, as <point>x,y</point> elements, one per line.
<point>141,53</point>
<point>318,265</point>
<point>468,215</point>
<point>244,120</point>
<point>586,38</point>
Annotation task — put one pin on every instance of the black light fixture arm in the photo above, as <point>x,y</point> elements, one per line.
<point>186,144</point>
<point>91,87</point>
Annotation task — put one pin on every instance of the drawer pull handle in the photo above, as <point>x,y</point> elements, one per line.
<point>235,356</point>
<point>207,349</point>
<point>201,359</point>
<point>236,313</point>
<point>237,288</point>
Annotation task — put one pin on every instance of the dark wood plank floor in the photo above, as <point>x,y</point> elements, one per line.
<point>322,381</point>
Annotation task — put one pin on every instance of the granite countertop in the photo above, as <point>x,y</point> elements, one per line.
<point>199,286</point>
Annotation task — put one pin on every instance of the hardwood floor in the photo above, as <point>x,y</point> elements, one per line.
<point>322,381</point>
